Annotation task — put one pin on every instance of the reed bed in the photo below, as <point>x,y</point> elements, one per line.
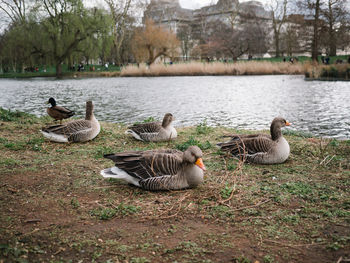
<point>327,72</point>
<point>215,68</point>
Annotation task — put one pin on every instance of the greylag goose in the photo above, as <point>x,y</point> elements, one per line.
<point>58,112</point>
<point>154,131</point>
<point>158,169</point>
<point>260,148</point>
<point>75,131</point>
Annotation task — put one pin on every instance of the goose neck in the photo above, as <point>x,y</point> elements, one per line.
<point>275,131</point>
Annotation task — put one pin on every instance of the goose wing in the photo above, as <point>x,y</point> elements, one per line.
<point>249,144</point>
<point>71,128</point>
<point>147,164</point>
<point>150,127</point>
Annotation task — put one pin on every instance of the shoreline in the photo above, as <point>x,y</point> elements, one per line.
<point>55,204</point>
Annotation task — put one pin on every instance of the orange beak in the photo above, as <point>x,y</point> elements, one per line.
<point>200,164</point>
<point>288,123</point>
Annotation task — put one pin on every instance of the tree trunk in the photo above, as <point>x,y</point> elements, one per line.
<point>59,70</point>
<point>314,50</point>
<point>333,46</point>
<point>332,36</point>
<point>277,45</point>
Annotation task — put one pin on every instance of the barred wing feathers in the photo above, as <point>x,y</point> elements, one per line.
<point>148,164</point>
<point>250,144</point>
<point>70,129</point>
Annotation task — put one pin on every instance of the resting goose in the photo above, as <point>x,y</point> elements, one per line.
<point>158,169</point>
<point>75,131</point>
<point>260,148</point>
<point>58,112</point>
<point>154,131</point>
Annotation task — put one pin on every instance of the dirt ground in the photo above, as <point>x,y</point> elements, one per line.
<point>55,207</point>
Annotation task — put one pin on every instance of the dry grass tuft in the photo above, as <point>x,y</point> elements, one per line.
<point>316,71</point>
<point>215,68</point>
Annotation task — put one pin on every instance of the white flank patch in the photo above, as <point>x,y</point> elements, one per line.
<point>173,133</point>
<point>54,137</point>
<point>136,136</point>
<point>120,174</point>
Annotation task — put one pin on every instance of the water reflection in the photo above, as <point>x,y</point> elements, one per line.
<point>248,102</point>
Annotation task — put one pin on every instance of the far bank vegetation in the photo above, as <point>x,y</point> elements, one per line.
<point>214,68</point>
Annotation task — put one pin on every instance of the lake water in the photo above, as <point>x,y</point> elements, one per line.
<point>244,102</point>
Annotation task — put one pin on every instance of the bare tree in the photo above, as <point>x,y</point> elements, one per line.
<point>312,8</point>
<point>249,39</point>
<point>119,10</point>
<point>334,14</point>
<point>279,15</point>
<point>184,34</point>
<point>14,9</point>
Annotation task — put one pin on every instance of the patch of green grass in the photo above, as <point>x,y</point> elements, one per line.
<point>15,116</point>
<point>241,259</point>
<point>9,162</point>
<point>9,251</point>
<point>189,247</point>
<point>104,213</point>
<point>75,203</point>
<point>221,211</point>
<point>268,259</point>
<point>15,146</point>
<point>102,150</point>
<point>299,189</point>
<point>192,141</point>
<point>294,219</point>
<point>226,191</point>
<point>203,128</point>
<point>36,143</point>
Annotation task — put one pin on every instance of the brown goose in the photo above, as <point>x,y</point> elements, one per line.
<point>75,131</point>
<point>154,131</point>
<point>58,112</point>
<point>158,169</point>
<point>260,148</point>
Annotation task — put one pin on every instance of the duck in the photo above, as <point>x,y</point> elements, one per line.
<point>58,112</point>
<point>154,131</point>
<point>75,131</point>
<point>260,148</point>
<point>155,170</point>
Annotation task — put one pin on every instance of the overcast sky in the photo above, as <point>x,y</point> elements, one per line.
<point>193,4</point>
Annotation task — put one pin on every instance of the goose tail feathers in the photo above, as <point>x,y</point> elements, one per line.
<point>116,173</point>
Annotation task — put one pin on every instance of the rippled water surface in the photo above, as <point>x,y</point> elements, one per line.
<point>245,102</point>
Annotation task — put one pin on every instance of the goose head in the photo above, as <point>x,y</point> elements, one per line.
<point>193,155</point>
<point>52,102</point>
<point>167,120</point>
<point>276,126</point>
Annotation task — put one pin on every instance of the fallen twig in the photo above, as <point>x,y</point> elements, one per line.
<point>33,220</point>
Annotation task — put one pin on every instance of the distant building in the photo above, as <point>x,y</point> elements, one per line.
<point>296,31</point>
<point>171,14</point>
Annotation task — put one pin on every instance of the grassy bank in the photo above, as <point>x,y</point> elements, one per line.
<point>214,68</point>
<point>55,207</point>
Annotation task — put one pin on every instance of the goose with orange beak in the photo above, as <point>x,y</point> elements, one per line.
<point>260,148</point>
<point>155,170</point>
